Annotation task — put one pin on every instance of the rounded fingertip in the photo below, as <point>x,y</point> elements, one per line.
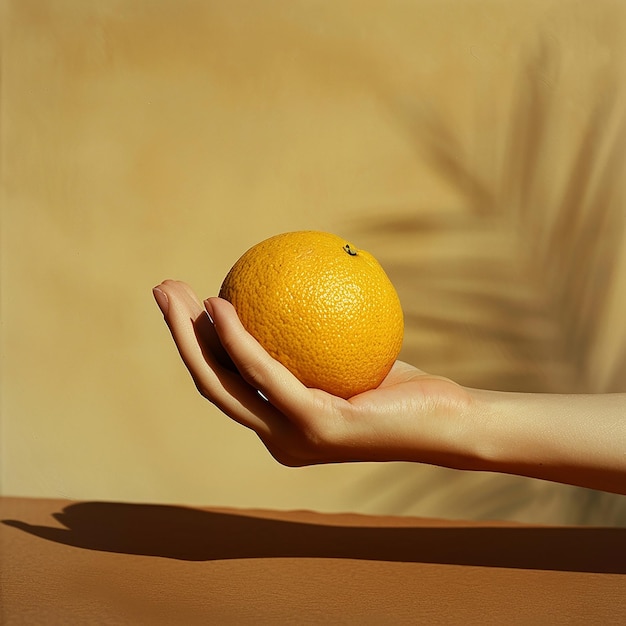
<point>218,308</point>
<point>161,299</point>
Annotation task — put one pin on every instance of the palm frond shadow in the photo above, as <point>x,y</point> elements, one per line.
<point>528,268</point>
<point>514,289</point>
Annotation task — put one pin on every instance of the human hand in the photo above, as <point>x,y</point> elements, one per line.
<point>411,416</point>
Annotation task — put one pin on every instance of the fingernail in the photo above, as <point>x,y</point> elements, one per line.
<point>208,307</point>
<point>161,299</point>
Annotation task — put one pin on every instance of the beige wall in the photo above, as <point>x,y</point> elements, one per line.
<point>145,140</point>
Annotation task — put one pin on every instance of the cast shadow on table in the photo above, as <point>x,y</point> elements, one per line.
<point>185,533</point>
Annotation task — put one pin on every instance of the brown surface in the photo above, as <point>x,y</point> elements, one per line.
<point>111,563</point>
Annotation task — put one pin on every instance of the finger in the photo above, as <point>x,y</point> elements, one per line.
<point>195,339</point>
<point>257,367</point>
<point>210,344</point>
<point>181,310</point>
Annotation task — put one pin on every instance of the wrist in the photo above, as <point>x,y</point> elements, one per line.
<point>499,436</point>
<point>573,439</point>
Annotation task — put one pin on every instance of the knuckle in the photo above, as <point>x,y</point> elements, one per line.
<point>204,391</point>
<point>320,436</point>
<point>251,366</point>
<point>305,445</point>
<point>251,370</point>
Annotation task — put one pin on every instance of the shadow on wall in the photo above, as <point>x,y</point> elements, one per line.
<point>520,287</point>
<point>196,535</point>
<point>517,283</point>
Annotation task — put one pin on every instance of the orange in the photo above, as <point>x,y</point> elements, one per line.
<point>324,309</point>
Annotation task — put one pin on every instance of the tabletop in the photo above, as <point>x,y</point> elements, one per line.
<point>87,562</point>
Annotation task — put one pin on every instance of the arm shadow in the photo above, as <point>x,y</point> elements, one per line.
<point>190,534</point>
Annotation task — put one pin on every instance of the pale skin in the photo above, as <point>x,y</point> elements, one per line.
<point>412,416</point>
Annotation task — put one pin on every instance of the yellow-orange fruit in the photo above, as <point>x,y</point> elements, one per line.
<point>324,309</point>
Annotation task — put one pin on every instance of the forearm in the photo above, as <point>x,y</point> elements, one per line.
<point>574,439</point>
